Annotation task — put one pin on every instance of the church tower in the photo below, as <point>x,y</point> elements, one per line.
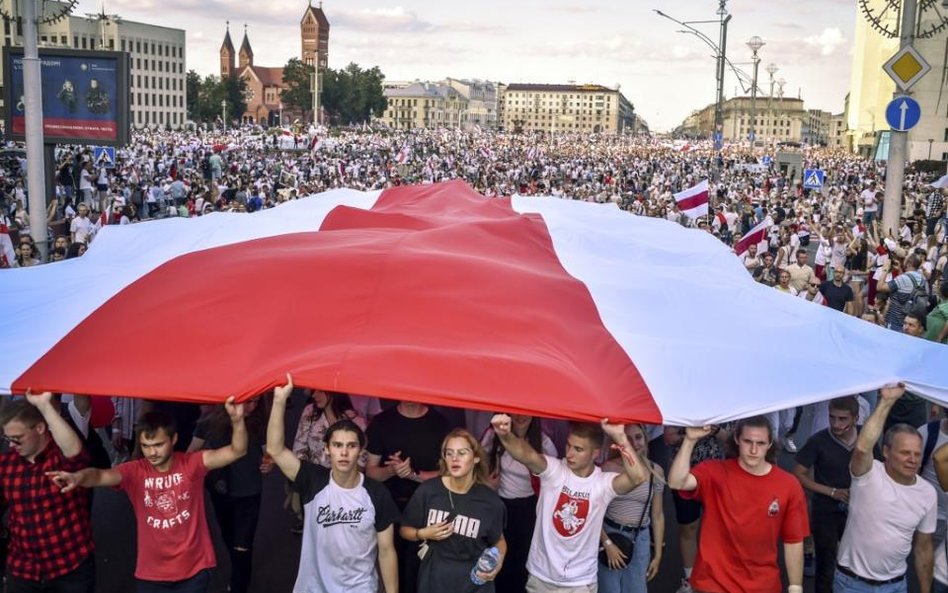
<point>228,55</point>
<point>246,54</point>
<point>314,34</point>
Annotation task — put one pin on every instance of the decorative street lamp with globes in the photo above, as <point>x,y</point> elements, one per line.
<point>754,43</point>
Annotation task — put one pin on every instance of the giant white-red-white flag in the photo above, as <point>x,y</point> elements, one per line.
<point>753,236</point>
<point>693,202</point>
<point>437,294</point>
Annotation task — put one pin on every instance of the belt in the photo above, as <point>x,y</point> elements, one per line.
<point>850,573</point>
<point>621,527</point>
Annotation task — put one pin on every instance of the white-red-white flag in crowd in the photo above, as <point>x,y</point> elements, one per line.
<point>693,202</point>
<point>753,236</point>
<point>402,157</point>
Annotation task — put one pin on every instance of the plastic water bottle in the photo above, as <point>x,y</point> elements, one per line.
<point>486,563</point>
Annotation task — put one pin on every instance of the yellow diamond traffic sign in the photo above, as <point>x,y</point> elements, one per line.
<point>906,67</point>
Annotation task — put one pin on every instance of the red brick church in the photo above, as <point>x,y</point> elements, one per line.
<point>265,83</point>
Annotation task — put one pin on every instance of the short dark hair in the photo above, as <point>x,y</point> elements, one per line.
<point>151,422</point>
<point>847,403</point>
<point>588,430</point>
<point>345,425</point>
<point>21,411</point>
<point>919,315</point>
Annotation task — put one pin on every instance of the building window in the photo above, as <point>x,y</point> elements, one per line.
<point>85,43</point>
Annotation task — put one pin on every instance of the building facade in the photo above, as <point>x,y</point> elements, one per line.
<point>424,105</point>
<point>557,108</point>
<point>871,89</point>
<point>265,83</point>
<point>157,59</point>
<point>778,119</point>
<point>481,96</point>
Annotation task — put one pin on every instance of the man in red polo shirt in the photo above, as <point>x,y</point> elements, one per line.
<point>749,503</point>
<point>50,533</point>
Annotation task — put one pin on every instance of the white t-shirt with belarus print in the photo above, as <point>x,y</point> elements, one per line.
<point>569,518</point>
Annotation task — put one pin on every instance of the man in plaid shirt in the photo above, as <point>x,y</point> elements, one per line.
<point>50,533</point>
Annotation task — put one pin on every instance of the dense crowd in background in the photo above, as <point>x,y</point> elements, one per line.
<point>505,474</point>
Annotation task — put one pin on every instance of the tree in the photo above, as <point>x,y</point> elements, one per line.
<point>192,93</point>
<point>353,95</point>
<point>298,92</point>
<point>210,92</point>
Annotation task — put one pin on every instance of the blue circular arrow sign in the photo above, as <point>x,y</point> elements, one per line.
<point>903,113</point>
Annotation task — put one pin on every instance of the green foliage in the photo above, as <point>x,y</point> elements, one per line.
<point>205,97</point>
<point>350,95</point>
<point>298,92</point>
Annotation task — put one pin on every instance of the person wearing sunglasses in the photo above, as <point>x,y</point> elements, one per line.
<point>812,292</point>
<point>50,533</point>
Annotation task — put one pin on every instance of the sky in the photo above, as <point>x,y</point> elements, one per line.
<point>665,74</point>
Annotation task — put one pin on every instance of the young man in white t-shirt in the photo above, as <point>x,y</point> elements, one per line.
<point>348,515</point>
<point>892,512</point>
<point>574,494</point>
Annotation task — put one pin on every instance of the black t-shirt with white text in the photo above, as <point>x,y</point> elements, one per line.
<point>479,520</point>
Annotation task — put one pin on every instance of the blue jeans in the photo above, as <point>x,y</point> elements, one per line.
<point>939,587</point>
<point>630,579</point>
<point>846,584</point>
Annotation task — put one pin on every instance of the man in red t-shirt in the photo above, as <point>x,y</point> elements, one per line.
<point>166,488</point>
<point>749,504</point>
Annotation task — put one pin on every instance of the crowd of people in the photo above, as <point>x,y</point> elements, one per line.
<point>400,496</point>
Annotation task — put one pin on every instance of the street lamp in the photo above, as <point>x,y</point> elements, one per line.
<point>224,113</point>
<point>720,50</point>
<point>930,141</point>
<point>754,43</point>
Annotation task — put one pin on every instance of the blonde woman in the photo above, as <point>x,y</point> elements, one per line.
<point>459,516</point>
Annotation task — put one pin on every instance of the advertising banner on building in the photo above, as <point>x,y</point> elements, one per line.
<point>85,96</point>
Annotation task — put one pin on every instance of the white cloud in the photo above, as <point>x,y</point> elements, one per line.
<point>828,41</point>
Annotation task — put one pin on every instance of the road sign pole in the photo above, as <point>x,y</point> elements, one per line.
<point>33,94</point>
<point>898,141</point>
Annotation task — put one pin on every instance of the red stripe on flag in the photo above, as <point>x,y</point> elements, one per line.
<point>693,201</point>
<point>753,236</point>
<point>435,295</point>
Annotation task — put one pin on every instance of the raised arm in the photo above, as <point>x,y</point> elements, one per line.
<point>861,461</point>
<point>635,468</point>
<point>284,459</point>
<point>65,437</point>
<point>518,448</point>
<point>679,474</point>
<point>217,458</point>
<point>940,460</point>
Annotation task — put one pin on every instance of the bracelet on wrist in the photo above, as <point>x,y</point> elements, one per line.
<point>608,542</point>
<point>833,493</point>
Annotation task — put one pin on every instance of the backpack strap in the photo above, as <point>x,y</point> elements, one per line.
<point>934,428</point>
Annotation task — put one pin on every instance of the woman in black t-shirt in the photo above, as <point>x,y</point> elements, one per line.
<point>458,516</point>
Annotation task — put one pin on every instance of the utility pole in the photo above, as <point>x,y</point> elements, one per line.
<point>224,113</point>
<point>718,135</point>
<point>898,141</point>
<point>33,108</point>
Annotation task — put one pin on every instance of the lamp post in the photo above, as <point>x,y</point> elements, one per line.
<point>771,70</point>
<point>754,43</point>
<point>224,113</point>
<point>930,141</point>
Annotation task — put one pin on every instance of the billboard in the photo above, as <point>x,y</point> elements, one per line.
<point>85,96</point>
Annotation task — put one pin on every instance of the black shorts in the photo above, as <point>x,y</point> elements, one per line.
<point>102,186</point>
<point>686,511</point>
